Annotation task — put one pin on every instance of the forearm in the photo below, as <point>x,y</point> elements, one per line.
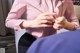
<point>69,25</point>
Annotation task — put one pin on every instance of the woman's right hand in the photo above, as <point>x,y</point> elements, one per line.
<point>43,20</point>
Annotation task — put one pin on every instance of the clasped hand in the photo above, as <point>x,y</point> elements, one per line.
<point>48,19</point>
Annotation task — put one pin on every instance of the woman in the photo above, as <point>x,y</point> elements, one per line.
<point>43,17</point>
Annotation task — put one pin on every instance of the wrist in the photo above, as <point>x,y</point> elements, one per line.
<point>26,24</point>
<point>69,25</point>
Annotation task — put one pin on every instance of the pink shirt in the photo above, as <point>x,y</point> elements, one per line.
<point>32,8</point>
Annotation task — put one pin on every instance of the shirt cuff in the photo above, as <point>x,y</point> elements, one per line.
<point>17,26</point>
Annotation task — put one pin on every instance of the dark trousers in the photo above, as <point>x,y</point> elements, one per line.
<point>24,43</point>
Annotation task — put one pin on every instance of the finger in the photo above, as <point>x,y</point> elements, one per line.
<point>57,26</point>
<point>52,18</point>
<point>59,20</point>
<point>46,19</point>
<point>46,22</point>
<point>45,25</point>
<point>49,18</point>
<point>50,15</point>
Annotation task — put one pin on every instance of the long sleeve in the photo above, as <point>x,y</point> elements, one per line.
<point>12,20</point>
<point>71,15</point>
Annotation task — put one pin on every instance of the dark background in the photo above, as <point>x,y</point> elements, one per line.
<point>6,35</point>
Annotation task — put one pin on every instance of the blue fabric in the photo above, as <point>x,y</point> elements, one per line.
<point>67,42</point>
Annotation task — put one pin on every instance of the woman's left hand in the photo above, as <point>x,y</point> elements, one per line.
<point>59,23</point>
